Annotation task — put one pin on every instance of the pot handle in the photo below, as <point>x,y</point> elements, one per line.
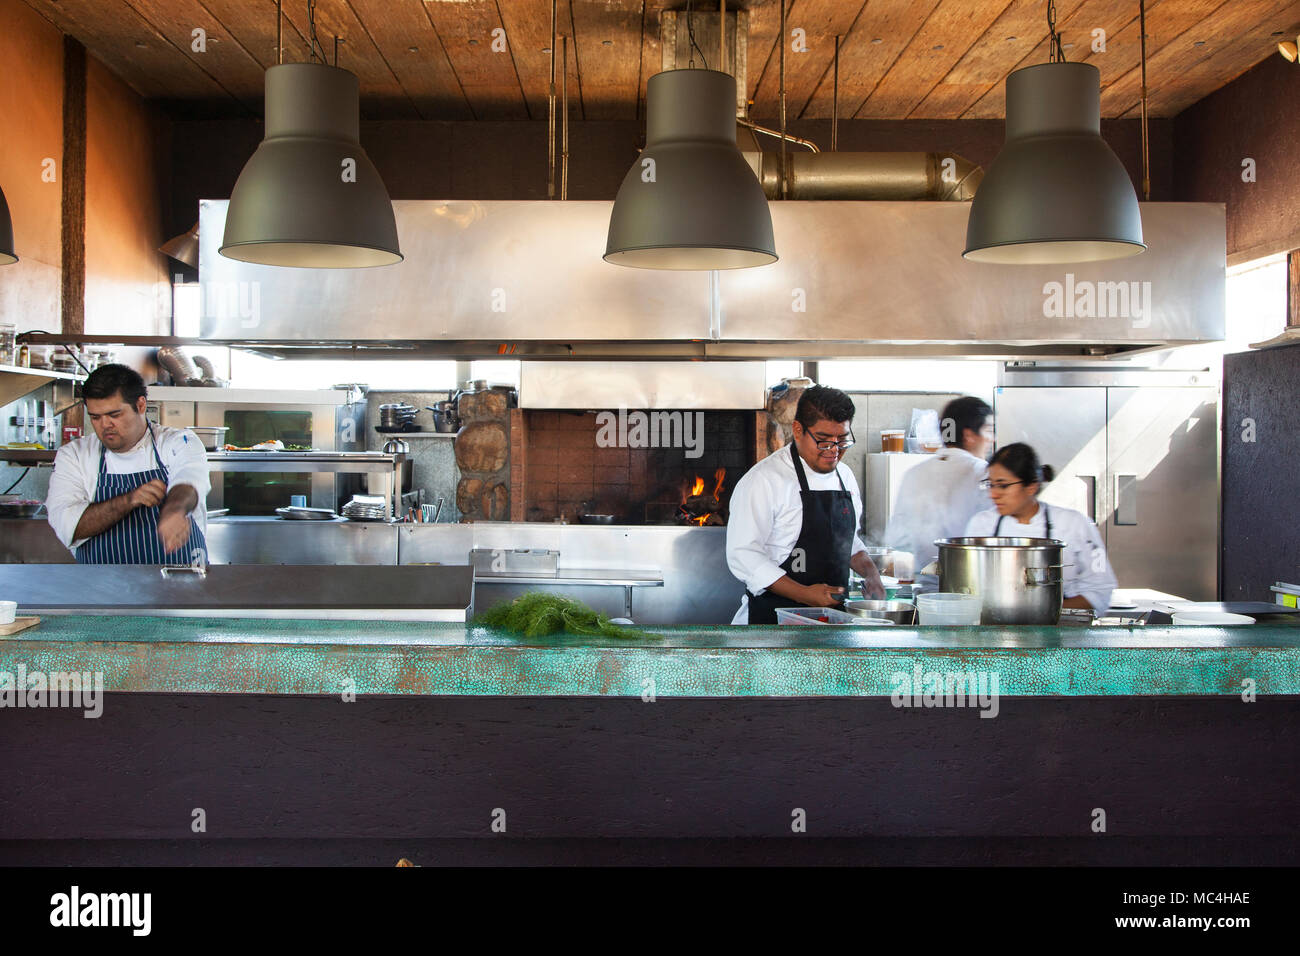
<point>1035,580</point>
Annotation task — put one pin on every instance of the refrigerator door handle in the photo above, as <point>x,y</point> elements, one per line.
<point>1090,481</point>
<point>1126,499</point>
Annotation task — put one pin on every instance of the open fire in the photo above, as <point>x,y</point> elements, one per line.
<point>700,508</point>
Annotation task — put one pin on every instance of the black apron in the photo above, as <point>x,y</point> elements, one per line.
<point>825,541</point>
<point>1047,520</point>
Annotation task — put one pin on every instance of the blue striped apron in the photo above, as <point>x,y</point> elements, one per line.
<point>134,539</point>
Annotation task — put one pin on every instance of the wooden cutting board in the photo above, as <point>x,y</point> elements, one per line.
<point>19,624</point>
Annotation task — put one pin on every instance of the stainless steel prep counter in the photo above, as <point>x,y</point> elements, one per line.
<point>238,591</point>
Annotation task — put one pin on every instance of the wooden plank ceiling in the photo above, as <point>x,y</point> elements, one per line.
<point>899,59</point>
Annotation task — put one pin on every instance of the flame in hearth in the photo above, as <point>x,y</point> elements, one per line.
<point>720,474</point>
<point>698,487</point>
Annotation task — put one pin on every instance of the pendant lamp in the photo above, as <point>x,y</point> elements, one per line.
<point>1056,193</point>
<point>690,201</point>
<point>7,254</point>
<point>184,248</point>
<point>310,196</point>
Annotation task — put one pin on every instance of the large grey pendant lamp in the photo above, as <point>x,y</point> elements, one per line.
<point>1056,193</point>
<point>310,196</point>
<point>7,254</point>
<point>690,201</point>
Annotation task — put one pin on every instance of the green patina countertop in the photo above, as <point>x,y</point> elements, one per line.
<point>247,656</point>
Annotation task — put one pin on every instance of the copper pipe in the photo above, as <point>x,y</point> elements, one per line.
<point>771,132</point>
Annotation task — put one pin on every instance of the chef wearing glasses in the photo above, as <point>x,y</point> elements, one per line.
<point>792,530</point>
<point>1014,479</point>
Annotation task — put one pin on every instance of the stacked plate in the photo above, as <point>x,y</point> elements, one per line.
<point>366,508</point>
<point>397,417</point>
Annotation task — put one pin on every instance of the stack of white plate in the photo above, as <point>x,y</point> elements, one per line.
<point>366,508</point>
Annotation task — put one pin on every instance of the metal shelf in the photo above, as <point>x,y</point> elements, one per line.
<point>27,456</point>
<point>17,381</point>
<point>416,434</point>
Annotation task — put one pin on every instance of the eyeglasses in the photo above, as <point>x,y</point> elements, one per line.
<point>999,485</point>
<point>828,445</point>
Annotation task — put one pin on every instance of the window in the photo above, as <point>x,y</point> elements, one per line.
<point>1256,302</point>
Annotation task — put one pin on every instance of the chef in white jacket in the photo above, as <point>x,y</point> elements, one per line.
<point>793,518</point>
<point>132,492</point>
<point>1015,477</point>
<point>938,497</point>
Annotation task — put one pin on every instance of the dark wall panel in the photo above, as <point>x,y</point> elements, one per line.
<point>1254,117</point>
<point>1261,472</point>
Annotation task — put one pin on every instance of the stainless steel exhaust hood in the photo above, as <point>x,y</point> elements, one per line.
<point>526,279</point>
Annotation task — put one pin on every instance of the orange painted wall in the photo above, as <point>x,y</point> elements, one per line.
<point>126,277</point>
<point>126,182</point>
<point>31,117</point>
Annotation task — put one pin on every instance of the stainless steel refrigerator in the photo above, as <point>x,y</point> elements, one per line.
<point>1138,452</point>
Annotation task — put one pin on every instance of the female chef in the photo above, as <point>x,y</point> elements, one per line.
<point>1014,479</point>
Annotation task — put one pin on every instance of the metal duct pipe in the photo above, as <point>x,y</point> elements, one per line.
<point>897,176</point>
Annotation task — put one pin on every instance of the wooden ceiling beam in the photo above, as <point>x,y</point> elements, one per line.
<point>528,27</point>
<point>950,30</point>
<point>1172,56</point>
<point>147,60</point>
<point>820,21</point>
<point>413,52</point>
<point>385,96</point>
<point>864,62</point>
<point>484,62</point>
<point>1076,30</point>
<point>1224,65</point>
<point>1012,36</point>
<point>608,76</point>
<point>252,24</point>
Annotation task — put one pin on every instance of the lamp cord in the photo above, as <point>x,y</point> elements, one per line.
<point>1055,52</point>
<point>690,33</point>
<point>311,31</point>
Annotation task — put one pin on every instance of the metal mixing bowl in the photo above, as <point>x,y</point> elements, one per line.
<point>900,612</point>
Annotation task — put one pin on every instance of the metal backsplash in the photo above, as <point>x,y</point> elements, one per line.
<point>854,278</point>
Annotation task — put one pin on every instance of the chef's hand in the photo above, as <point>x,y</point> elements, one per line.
<point>822,595</point>
<point>173,530</point>
<point>148,495</point>
<point>872,587</point>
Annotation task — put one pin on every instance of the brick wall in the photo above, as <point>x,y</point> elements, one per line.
<point>557,466</point>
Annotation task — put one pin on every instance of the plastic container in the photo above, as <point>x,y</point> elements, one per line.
<point>944,608</point>
<point>891,439</point>
<point>823,615</point>
<point>8,610</point>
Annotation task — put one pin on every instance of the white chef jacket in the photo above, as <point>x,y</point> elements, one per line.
<point>766,516</point>
<point>1087,573</point>
<point>937,499</point>
<point>76,473</point>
